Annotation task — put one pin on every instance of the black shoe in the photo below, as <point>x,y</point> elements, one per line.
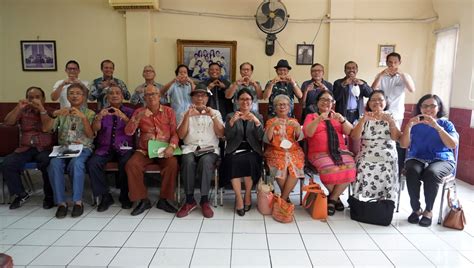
<point>19,200</point>
<point>105,202</point>
<point>61,212</point>
<point>127,204</point>
<point>77,210</point>
<point>48,203</point>
<point>163,204</point>
<point>247,207</point>
<point>141,207</point>
<point>414,218</point>
<point>240,212</point>
<point>331,207</point>
<point>425,221</point>
<point>339,205</point>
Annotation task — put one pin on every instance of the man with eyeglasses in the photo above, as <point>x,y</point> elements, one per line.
<point>312,88</point>
<point>149,76</point>
<point>349,93</point>
<point>60,87</point>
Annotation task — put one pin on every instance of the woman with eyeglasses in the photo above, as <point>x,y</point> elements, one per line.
<point>283,155</point>
<point>243,153</point>
<point>327,151</point>
<point>431,140</point>
<point>377,161</point>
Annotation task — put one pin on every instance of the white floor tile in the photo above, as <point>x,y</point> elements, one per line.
<point>57,256</point>
<point>313,227</point>
<point>377,229</point>
<point>60,224</point>
<point>185,226</point>
<point>468,254</point>
<point>346,227</point>
<point>153,225</point>
<point>289,258</point>
<point>408,258</point>
<point>156,214</point>
<point>22,211</point>
<point>404,227</point>
<point>121,224</point>
<point>76,238</point>
<point>12,236</point>
<point>170,257</point>
<point>443,258</point>
<point>109,213</point>
<point>252,214</point>
<point>321,242</point>
<point>144,240</point>
<point>329,258</point>
<point>94,256</point>
<point>211,258</point>
<point>91,224</point>
<point>274,227</point>
<point>5,221</point>
<point>214,240</point>
<point>249,241</point>
<point>356,242</point>
<point>4,248</point>
<point>30,222</point>
<point>392,241</point>
<point>368,259</point>
<point>42,237</point>
<point>458,240</point>
<point>110,239</point>
<point>285,241</point>
<point>179,240</point>
<point>23,255</point>
<point>217,226</point>
<point>250,258</point>
<point>223,213</point>
<point>428,242</point>
<point>133,257</point>
<point>252,226</point>
<point>125,213</point>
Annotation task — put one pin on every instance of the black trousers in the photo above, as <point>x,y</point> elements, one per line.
<point>431,175</point>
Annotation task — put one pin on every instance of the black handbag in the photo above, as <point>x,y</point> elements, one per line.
<point>374,211</point>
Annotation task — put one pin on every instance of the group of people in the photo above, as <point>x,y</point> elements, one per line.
<point>217,124</point>
<point>199,64</point>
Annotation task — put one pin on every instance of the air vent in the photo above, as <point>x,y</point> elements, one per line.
<point>134,4</point>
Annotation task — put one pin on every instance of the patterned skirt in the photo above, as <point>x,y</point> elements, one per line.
<point>331,173</point>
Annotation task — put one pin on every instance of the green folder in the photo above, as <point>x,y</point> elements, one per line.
<point>154,148</point>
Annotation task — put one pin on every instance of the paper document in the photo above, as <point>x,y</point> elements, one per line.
<point>67,151</point>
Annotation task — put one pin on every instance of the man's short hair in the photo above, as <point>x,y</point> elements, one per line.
<point>242,65</point>
<point>214,63</point>
<point>318,64</point>
<point>34,87</point>
<point>349,62</point>
<point>106,61</point>
<point>394,54</point>
<point>73,62</point>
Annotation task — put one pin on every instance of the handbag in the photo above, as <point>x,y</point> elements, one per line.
<point>264,197</point>
<point>282,211</point>
<point>315,201</point>
<point>455,218</point>
<point>374,211</point>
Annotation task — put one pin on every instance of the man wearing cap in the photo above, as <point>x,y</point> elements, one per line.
<point>284,84</point>
<point>200,129</point>
<point>217,86</point>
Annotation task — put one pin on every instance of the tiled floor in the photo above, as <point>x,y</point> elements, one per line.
<point>34,238</point>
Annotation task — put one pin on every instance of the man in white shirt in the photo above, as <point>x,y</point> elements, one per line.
<point>60,87</point>
<point>199,128</point>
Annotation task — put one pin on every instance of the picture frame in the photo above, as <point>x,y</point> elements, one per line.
<point>383,51</point>
<point>38,55</point>
<point>198,54</point>
<point>304,54</point>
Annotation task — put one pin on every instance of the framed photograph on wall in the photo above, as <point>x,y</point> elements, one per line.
<point>38,55</point>
<point>304,54</point>
<point>198,54</point>
<point>384,50</point>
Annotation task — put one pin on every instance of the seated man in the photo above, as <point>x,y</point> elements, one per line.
<point>74,127</point>
<point>35,146</point>
<point>200,127</point>
<point>156,122</point>
<point>101,85</point>
<point>112,144</point>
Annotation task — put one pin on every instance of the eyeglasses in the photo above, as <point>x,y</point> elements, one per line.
<point>75,93</point>
<point>245,99</point>
<point>282,104</point>
<point>72,69</point>
<point>148,71</point>
<point>428,106</point>
<point>151,94</point>
<point>327,100</point>
<point>377,100</point>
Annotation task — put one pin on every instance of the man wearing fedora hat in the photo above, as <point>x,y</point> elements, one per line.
<point>281,84</point>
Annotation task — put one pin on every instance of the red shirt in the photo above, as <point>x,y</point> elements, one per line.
<point>31,132</point>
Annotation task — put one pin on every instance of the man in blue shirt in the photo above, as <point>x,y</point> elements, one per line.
<point>312,88</point>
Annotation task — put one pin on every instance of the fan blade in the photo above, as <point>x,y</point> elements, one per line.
<point>280,13</point>
<point>266,8</point>
<point>269,23</point>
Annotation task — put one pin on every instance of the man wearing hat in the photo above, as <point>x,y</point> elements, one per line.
<point>281,84</point>
<point>200,129</point>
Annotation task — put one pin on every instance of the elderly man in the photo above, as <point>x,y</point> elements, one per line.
<point>246,81</point>
<point>200,130</point>
<point>312,88</point>
<point>60,87</point>
<point>156,122</point>
<point>112,144</point>
<point>100,86</point>
<point>284,84</point>
<point>35,146</point>
<point>149,76</point>
<point>217,86</point>
<point>349,93</point>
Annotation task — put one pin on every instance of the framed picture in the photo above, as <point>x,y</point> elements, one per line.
<point>304,54</point>
<point>38,55</point>
<point>198,54</point>
<point>384,50</point>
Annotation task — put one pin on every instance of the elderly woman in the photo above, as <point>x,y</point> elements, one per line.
<point>283,155</point>
<point>244,134</point>
<point>377,168</point>
<point>430,140</point>
<point>327,151</point>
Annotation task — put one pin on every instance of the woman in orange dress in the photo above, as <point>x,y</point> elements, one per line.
<point>283,155</point>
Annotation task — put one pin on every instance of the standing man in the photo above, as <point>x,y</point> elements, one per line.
<point>246,81</point>
<point>112,144</point>
<point>60,87</point>
<point>35,145</point>
<point>284,84</point>
<point>349,93</point>
<point>217,86</point>
<point>312,88</point>
<point>149,76</point>
<point>99,87</point>
<point>156,122</point>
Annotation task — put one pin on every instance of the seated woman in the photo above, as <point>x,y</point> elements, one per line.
<point>377,161</point>
<point>327,151</point>
<point>244,134</point>
<point>283,155</point>
<point>74,127</point>
<point>430,140</point>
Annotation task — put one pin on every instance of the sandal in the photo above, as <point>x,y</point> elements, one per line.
<point>339,205</point>
<point>414,217</point>
<point>331,207</point>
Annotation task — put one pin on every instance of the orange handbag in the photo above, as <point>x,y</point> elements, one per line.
<point>315,201</point>
<point>282,211</point>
